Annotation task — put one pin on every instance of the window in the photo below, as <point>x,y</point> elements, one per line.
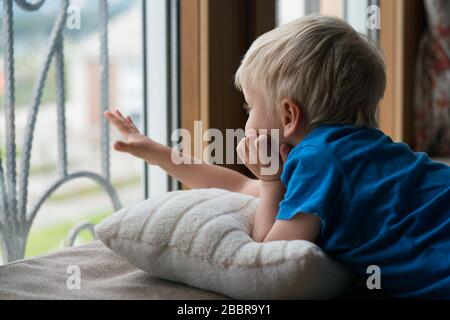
<point>354,11</point>
<point>130,83</point>
<point>162,83</point>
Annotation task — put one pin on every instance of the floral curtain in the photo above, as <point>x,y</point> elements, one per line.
<point>432,101</point>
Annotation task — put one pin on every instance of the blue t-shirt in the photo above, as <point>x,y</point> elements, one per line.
<point>379,203</point>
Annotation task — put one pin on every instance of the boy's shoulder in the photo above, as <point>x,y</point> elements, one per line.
<point>335,140</point>
<point>353,152</point>
<point>359,154</point>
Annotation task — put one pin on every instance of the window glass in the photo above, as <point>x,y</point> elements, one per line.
<point>82,199</point>
<point>354,11</point>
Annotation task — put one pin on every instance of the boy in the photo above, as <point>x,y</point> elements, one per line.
<point>345,185</point>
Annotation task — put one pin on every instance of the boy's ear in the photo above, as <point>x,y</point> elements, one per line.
<point>291,116</point>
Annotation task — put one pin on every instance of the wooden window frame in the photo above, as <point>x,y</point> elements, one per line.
<point>401,30</point>
<point>214,37</point>
<point>216,34</point>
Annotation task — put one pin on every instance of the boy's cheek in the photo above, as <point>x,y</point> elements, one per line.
<point>248,125</point>
<point>253,123</point>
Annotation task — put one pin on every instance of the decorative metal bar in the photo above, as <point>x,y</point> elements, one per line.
<point>3,197</point>
<point>58,28</point>
<point>72,236</point>
<point>93,176</point>
<point>15,220</point>
<point>36,5</point>
<point>61,107</point>
<point>10,106</point>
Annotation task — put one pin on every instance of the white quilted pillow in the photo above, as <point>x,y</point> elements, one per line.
<point>202,238</point>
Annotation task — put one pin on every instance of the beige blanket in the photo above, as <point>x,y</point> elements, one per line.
<point>102,275</point>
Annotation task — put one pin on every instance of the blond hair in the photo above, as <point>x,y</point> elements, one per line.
<point>335,73</point>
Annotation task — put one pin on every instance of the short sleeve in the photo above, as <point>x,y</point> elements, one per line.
<point>313,182</point>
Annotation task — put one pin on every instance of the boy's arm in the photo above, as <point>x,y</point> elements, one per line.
<point>302,227</point>
<point>192,175</point>
<point>267,228</point>
<point>271,194</point>
<point>205,175</point>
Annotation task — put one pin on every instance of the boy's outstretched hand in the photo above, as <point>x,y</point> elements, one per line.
<point>134,142</point>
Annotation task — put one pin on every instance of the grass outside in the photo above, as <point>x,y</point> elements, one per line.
<point>94,189</point>
<point>45,240</point>
<point>50,239</point>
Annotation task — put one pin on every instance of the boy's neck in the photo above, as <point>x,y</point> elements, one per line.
<point>299,136</point>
